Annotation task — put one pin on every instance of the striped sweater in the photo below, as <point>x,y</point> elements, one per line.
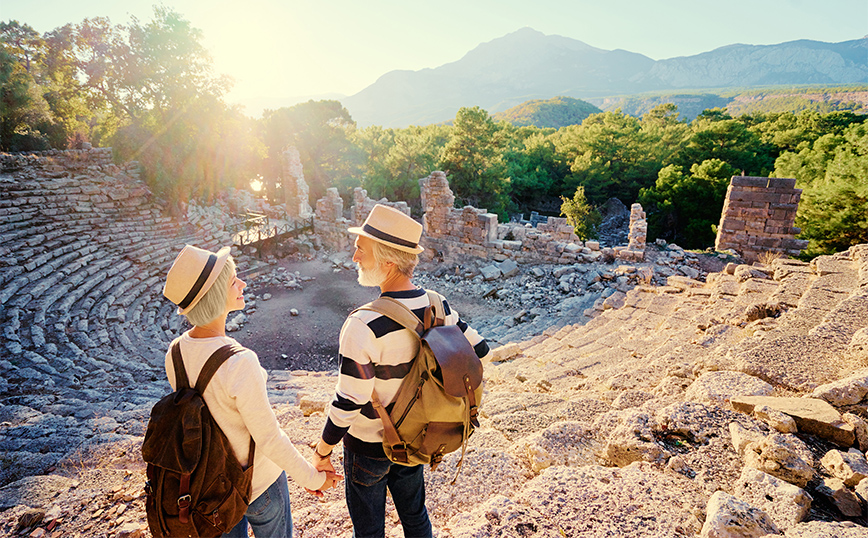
<point>377,353</point>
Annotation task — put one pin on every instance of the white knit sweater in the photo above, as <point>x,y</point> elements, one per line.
<point>238,400</point>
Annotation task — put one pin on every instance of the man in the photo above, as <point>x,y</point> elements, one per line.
<point>377,353</point>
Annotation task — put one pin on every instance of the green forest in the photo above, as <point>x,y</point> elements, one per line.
<point>148,90</point>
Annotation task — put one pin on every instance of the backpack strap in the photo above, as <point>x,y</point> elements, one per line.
<point>181,380</point>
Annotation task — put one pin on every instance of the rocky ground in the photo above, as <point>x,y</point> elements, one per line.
<point>609,406</point>
<point>685,395</point>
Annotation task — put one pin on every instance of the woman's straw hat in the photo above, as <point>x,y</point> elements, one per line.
<point>392,228</point>
<point>192,274</point>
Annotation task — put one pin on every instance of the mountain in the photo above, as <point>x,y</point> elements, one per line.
<point>528,64</point>
<point>556,112</point>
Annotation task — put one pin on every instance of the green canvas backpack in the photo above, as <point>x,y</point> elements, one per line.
<point>436,407</point>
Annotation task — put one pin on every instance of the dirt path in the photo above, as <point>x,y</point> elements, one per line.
<point>309,340</point>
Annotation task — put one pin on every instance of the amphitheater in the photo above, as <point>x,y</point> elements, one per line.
<point>733,405</point>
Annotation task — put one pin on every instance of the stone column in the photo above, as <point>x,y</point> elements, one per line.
<point>295,189</point>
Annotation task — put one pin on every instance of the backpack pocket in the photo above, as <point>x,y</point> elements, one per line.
<point>221,508</point>
<point>441,438</point>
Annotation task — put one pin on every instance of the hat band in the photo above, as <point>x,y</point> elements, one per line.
<point>387,237</point>
<point>203,276</point>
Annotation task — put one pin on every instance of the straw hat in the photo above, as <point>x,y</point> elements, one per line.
<point>192,274</point>
<point>392,228</point>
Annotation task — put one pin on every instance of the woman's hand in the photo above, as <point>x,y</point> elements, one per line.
<point>331,481</point>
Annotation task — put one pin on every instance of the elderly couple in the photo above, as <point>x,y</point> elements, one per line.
<point>375,354</point>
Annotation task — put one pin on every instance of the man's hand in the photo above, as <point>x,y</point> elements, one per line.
<point>321,458</point>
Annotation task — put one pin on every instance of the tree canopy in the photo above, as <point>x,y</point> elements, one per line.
<point>148,90</point>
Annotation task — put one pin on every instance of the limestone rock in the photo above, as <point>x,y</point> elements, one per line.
<point>844,500</point>
<point>848,391</point>
<point>826,529</point>
<point>717,387</point>
<point>505,352</point>
<point>742,437</point>
<point>746,272</point>
<point>861,489</point>
<point>860,429</point>
<point>811,415</point>
<point>858,347</point>
<point>593,501</point>
<point>775,419</point>
<point>490,272</point>
<point>633,440</point>
<point>785,503</point>
<point>508,268</point>
<point>729,517</point>
<point>500,516</point>
<point>850,467</point>
<point>562,443</point>
<point>779,455</point>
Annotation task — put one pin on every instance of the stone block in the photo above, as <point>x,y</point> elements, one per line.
<point>811,415</point>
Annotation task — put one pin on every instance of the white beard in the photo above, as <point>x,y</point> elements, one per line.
<point>372,278</point>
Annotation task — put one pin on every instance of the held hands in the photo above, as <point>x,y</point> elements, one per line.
<point>322,462</point>
<point>331,481</point>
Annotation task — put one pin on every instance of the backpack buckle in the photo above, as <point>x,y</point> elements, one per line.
<point>399,453</point>
<point>184,501</point>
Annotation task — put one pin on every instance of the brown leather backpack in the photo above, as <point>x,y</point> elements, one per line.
<point>195,487</point>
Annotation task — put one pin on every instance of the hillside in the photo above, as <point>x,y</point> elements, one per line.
<point>527,65</point>
<point>668,397</point>
<point>555,113</point>
<point>737,101</point>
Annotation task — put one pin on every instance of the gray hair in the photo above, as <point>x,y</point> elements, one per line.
<point>405,262</point>
<point>213,304</point>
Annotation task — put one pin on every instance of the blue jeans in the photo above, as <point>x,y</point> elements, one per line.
<point>269,514</point>
<point>366,480</point>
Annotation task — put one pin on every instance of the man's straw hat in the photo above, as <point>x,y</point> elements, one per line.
<point>392,228</point>
<point>192,274</point>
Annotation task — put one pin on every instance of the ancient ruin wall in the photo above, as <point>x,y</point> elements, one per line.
<point>295,189</point>
<point>453,233</point>
<point>60,163</point>
<point>758,216</point>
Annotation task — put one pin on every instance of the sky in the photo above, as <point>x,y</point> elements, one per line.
<point>280,52</point>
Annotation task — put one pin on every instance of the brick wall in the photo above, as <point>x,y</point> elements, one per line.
<point>758,216</point>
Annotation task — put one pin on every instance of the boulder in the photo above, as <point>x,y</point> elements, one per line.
<point>781,456</point>
<point>837,493</point>
<point>785,503</point>
<point>729,517</point>
<point>811,415</point>
<point>860,429</point>
<point>718,387</point>
<point>775,419</point>
<point>633,440</point>
<point>848,391</point>
<point>490,272</point>
<point>742,437</point>
<point>508,268</point>
<point>850,467</point>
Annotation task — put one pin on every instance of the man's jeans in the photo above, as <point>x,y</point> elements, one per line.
<point>269,514</point>
<point>365,482</point>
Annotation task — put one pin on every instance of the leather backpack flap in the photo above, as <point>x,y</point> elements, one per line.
<point>456,358</point>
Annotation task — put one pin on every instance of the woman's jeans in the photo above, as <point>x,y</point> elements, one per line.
<point>269,514</point>
<point>366,480</point>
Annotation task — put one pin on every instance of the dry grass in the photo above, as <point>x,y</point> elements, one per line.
<point>766,258</point>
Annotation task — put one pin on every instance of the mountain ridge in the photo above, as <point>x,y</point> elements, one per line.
<point>527,64</point>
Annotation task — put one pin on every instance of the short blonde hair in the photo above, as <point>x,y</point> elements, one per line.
<point>212,305</point>
<point>405,262</point>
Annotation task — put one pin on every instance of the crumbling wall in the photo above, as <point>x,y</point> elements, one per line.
<point>362,205</point>
<point>453,233</point>
<point>57,163</point>
<point>636,238</point>
<point>758,216</point>
<point>295,189</point>
<point>329,221</point>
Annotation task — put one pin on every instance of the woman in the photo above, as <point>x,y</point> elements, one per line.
<point>206,289</point>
